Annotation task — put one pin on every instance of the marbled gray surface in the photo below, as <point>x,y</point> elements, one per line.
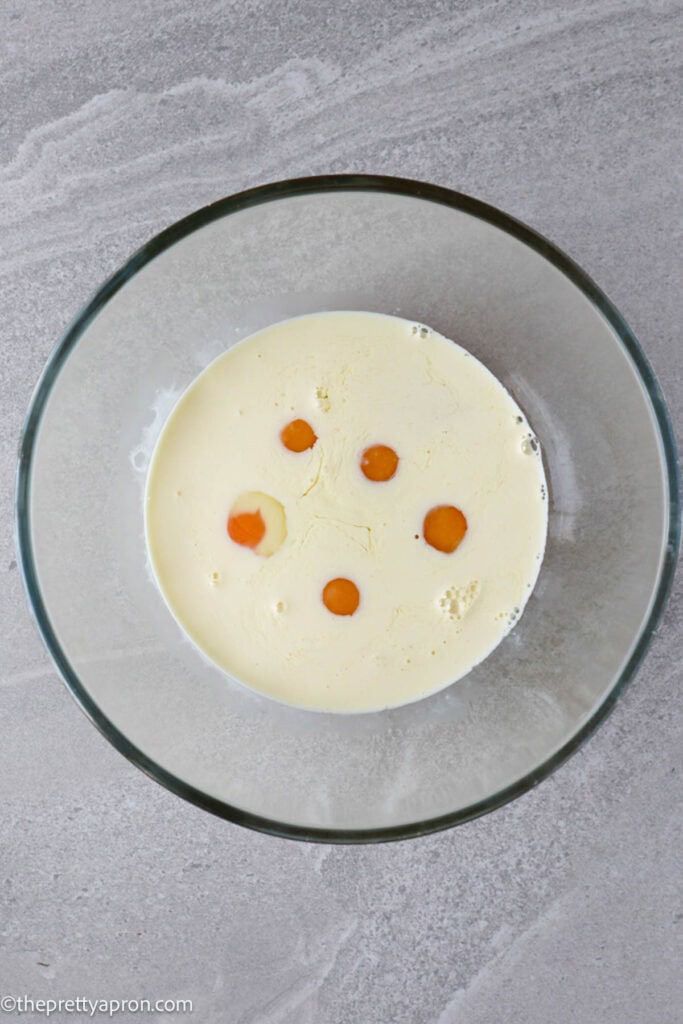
<point>117,119</point>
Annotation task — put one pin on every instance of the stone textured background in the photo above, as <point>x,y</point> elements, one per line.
<point>118,118</point>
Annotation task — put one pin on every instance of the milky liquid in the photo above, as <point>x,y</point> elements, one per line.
<point>425,617</point>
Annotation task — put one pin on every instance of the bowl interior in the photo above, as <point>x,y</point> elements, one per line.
<point>475,277</point>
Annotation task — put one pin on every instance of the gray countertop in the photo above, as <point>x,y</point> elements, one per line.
<point>116,120</point>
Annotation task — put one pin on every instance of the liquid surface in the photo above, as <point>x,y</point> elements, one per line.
<point>369,555</point>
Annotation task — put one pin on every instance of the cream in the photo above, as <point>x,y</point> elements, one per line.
<point>425,617</point>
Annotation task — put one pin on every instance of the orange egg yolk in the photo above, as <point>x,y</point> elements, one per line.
<point>247,529</point>
<point>444,528</point>
<point>379,463</point>
<point>341,596</point>
<point>298,436</point>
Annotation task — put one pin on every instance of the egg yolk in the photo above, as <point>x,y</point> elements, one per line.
<point>246,528</point>
<point>298,436</point>
<point>444,528</point>
<point>257,521</point>
<point>341,596</point>
<point>379,462</point>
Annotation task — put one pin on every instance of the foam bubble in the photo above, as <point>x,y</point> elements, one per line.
<point>322,399</point>
<point>456,601</point>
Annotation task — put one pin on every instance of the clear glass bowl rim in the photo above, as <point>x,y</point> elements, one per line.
<point>223,208</point>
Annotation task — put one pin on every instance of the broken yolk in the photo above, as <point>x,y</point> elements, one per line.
<point>379,462</point>
<point>341,596</point>
<point>444,528</point>
<point>247,529</point>
<point>298,436</point>
<point>257,521</point>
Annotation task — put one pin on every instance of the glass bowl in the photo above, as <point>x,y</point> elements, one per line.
<point>362,243</point>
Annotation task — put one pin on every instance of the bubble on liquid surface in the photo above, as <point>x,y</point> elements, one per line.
<point>322,399</point>
<point>456,601</point>
<point>530,445</point>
